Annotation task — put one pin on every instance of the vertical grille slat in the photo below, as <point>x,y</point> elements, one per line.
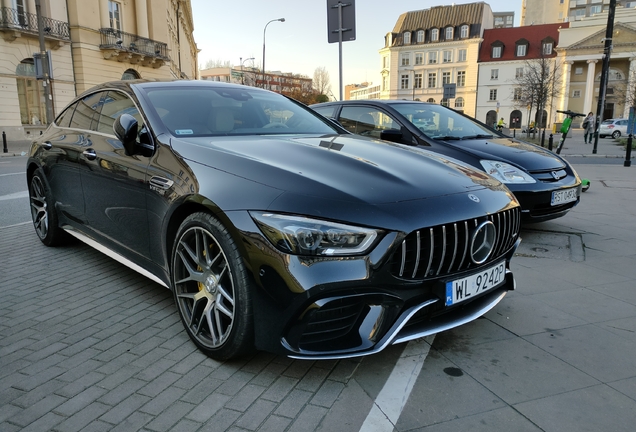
<point>448,246</point>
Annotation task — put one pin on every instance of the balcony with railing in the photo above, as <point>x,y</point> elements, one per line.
<point>14,24</point>
<point>131,48</point>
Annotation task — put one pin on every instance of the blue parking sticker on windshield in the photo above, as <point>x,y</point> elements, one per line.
<point>184,132</point>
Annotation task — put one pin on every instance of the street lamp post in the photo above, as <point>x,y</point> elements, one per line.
<point>242,74</point>
<point>281,20</point>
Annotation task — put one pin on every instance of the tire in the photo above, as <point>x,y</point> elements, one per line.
<point>211,288</point>
<point>601,136</point>
<point>43,213</point>
<point>616,134</point>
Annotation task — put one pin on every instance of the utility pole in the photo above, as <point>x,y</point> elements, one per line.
<point>44,58</point>
<point>602,91</point>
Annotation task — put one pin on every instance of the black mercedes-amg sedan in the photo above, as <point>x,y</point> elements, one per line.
<point>274,228</point>
<point>545,184</point>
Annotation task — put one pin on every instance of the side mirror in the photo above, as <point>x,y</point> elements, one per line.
<point>125,128</point>
<point>393,135</point>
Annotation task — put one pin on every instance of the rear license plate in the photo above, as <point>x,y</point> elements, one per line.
<point>460,290</point>
<point>563,196</point>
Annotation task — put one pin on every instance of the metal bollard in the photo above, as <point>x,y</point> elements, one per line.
<point>628,152</point>
<point>550,141</point>
<point>543,138</point>
<point>4,143</point>
<point>514,133</point>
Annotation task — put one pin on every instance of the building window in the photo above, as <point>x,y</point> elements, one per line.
<point>407,38</point>
<point>130,74</point>
<point>576,93</point>
<point>449,33</point>
<point>444,102</point>
<point>404,84</point>
<point>446,77</point>
<point>419,59</point>
<point>430,100</point>
<point>597,9</point>
<point>406,59</point>
<point>496,52</point>
<point>517,94</point>
<point>459,102</point>
<point>462,55</point>
<point>420,36</point>
<point>418,80</point>
<point>519,73</point>
<point>463,31</point>
<point>434,35</point>
<point>114,13</point>
<point>578,71</point>
<point>521,50</point>
<point>447,56</point>
<point>493,95</point>
<point>547,48</point>
<point>432,57</point>
<point>578,13</point>
<point>461,78</point>
<point>385,62</point>
<point>432,80</point>
<point>494,74</point>
<point>385,83</point>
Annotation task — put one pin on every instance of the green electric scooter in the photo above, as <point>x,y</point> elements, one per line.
<point>565,128</point>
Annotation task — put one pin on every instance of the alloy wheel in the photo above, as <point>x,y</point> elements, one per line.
<point>39,211</point>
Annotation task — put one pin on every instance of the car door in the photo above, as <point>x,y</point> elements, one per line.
<point>63,146</point>
<point>114,183</point>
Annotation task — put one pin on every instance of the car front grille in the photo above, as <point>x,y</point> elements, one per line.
<point>550,176</point>
<point>445,249</point>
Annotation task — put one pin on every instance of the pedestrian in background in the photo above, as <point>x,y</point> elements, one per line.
<point>588,128</point>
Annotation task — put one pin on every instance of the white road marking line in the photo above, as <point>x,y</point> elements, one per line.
<point>15,225</point>
<point>20,173</point>
<point>393,397</point>
<point>16,195</point>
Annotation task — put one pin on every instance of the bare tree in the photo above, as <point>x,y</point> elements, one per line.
<point>539,86</point>
<point>217,63</point>
<point>322,84</point>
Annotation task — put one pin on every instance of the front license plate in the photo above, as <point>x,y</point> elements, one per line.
<point>460,290</point>
<point>563,196</point>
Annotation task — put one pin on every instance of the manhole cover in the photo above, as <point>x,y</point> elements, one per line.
<point>552,245</point>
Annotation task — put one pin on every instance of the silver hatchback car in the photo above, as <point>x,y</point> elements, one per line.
<point>613,127</point>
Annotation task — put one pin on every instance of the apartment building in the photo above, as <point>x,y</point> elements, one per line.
<point>432,47</point>
<point>89,42</point>
<point>535,12</point>
<point>505,56</point>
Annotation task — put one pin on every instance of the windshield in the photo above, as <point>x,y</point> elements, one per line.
<point>221,111</point>
<point>437,121</point>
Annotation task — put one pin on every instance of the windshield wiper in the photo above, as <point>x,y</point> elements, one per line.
<point>446,137</point>
<point>477,137</point>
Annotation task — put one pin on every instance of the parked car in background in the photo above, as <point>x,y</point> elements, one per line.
<point>613,127</point>
<point>274,228</point>
<point>546,186</point>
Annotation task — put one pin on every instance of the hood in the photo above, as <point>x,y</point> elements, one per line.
<point>525,155</point>
<point>339,168</point>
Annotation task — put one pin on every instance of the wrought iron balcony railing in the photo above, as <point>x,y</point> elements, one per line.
<point>120,41</point>
<point>12,19</point>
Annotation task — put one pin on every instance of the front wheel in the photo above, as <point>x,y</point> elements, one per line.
<point>211,288</point>
<point>616,134</point>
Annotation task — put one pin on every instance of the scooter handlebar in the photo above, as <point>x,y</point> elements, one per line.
<point>571,113</point>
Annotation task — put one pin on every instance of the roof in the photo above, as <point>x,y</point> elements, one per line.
<point>534,34</point>
<point>440,17</point>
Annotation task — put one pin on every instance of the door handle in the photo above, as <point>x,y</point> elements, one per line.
<point>46,145</point>
<point>90,154</point>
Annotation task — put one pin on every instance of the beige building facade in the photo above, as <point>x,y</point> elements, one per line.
<point>581,56</point>
<point>433,47</point>
<point>90,42</point>
<point>534,12</point>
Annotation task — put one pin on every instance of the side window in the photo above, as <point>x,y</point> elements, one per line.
<point>367,121</point>
<point>87,110</point>
<point>115,104</point>
<point>64,119</point>
<point>327,111</point>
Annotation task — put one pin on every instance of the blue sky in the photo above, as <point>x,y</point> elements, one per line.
<point>229,31</point>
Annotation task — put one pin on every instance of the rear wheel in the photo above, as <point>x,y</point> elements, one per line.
<point>43,213</point>
<point>616,134</point>
<point>211,288</point>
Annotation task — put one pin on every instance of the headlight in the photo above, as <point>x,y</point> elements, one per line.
<point>300,235</point>
<point>505,172</point>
